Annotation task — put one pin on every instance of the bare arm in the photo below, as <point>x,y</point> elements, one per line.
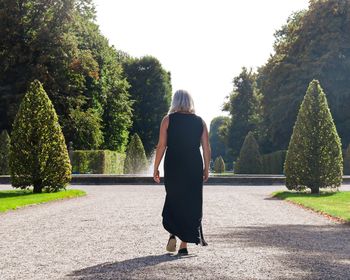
<point>206,151</point>
<point>161,147</point>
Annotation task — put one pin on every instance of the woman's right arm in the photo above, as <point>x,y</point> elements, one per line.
<point>161,146</point>
<point>206,151</point>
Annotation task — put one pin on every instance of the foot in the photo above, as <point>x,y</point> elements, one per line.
<point>182,252</point>
<point>171,246</point>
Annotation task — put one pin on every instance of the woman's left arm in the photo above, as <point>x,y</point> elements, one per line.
<point>206,151</point>
<point>161,146</point>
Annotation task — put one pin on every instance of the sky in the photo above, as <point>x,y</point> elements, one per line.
<point>203,43</point>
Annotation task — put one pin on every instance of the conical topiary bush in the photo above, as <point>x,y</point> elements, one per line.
<point>346,158</point>
<point>38,154</point>
<point>314,156</point>
<point>249,161</point>
<point>135,160</point>
<point>4,152</point>
<point>219,165</point>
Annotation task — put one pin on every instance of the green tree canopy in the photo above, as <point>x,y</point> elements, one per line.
<point>216,136</point>
<point>249,161</point>
<point>314,156</point>
<point>5,142</point>
<point>38,154</point>
<point>243,106</point>
<point>60,44</point>
<point>136,161</point>
<point>151,91</point>
<point>314,44</point>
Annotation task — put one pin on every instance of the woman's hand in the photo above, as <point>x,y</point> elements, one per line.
<point>156,176</point>
<point>205,174</point>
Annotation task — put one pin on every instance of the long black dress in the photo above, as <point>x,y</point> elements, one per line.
<point>183,178</point>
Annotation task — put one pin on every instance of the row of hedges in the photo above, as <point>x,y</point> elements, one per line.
<point>273,163</point>
<point>97,162</point>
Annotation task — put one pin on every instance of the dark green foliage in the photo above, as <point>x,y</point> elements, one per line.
<point>135,161</point>
<point>249,161</point>
<point>314,44</point>
<point>151,91</point>
<point>98,162</point>
<point>219,165</point>
<point>243,106</point>
<point>314,157</point>
<point>85,129</point>
<point>59,43</point>
<point>5,143</point>
<point>216,137</point>
<point>346,157</point>
<point>38,154</point>
<point>273,163</point>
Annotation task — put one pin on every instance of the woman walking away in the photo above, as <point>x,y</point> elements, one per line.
<point>181,134</point>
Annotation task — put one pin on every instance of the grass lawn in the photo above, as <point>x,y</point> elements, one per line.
<point>335,204</point>
<point>13,199</point>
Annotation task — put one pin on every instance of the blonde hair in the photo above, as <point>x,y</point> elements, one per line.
<point>182,101</point>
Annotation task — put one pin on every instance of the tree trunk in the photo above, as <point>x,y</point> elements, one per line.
<point>315,190</point>
<point>37,188</point>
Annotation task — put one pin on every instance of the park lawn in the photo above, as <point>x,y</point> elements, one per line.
<point>335,204</point>
<point>13,199</point>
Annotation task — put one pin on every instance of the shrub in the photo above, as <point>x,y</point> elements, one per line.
<point>4,152</point>
<point>97,162</point>
<point>38,153</point>
<point>273,163</point>
<point>135,160</point>
<point>219,165</point>
<point>249,161</point>
<point>314,157</point>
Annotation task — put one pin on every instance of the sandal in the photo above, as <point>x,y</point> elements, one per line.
<point>171,246</point>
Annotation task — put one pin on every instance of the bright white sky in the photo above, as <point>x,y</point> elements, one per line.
<point>203,43</point>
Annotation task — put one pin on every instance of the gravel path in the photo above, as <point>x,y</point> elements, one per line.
<point>115,232</point>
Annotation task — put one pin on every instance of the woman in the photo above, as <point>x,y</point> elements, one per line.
<point>181,134</point>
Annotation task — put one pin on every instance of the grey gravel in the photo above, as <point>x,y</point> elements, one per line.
<point>115,232</point>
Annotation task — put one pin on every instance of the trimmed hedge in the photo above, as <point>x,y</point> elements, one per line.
<point>97,162</point>
<point>273,163</point>
<point>219,165</point>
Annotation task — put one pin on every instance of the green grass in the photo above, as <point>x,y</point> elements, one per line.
<point>13,199</point>
<point>335,204</point>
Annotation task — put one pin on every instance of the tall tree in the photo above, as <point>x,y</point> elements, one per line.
<point>216,136</point>
<point>314,44</point>
<point>150,88</point>
<point>38,154</point>
<point>314,157</point>
<point>243,106</point>
<point>59,43</point>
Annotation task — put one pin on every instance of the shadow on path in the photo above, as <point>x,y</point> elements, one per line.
<point>127,269</point>
<point>322,252</point>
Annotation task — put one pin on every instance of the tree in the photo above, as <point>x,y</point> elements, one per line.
<point>314,44</point>
<point>216,138</point>
<point>136,161</point>
<point>59,43</point>
<point>5,142</point>
<point>150,88</point>
<point>314,156</point>
<point>38,153</point>
<point>243,106</point>
<point>108,94</point>
<point>249,161</point>
<point>219,165</point>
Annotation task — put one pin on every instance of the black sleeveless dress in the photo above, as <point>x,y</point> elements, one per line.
<point>183,178</point>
